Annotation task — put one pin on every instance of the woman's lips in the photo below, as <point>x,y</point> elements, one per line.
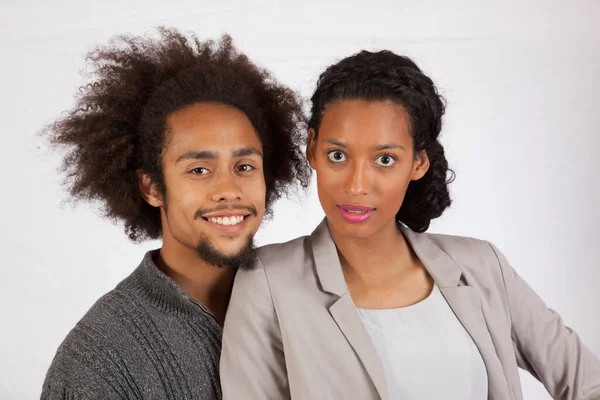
<point>355,213</point>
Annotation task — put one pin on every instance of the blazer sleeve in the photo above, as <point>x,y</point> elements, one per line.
<point>252,359</point>
<point>544,346</point>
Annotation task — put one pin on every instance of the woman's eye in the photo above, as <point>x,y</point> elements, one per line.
<point>199,171</point>
<point>245,168</point>
<point>385,160</point>
<point>336,156</point>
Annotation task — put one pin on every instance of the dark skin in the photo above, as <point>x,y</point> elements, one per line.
<point>213,169</point>
<point>364,156</point>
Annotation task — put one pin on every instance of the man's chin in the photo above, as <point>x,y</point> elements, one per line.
<point>243,257</point>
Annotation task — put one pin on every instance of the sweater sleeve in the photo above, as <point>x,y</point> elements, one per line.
<point>85,368</point>
<point>59,390</point>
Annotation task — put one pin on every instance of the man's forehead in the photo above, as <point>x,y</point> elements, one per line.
<point>218,142</point>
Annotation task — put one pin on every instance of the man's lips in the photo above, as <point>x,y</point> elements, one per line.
<point>228,219</point>
<point>225,214</point>
<point>225,211</point>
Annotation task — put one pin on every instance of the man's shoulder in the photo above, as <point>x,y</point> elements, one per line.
<point>107,316</point>
<point>139,340</point>
<point>120,346</point>
<point>90,356</point>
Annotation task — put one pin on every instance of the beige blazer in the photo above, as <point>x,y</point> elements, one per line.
<point>292,330</point>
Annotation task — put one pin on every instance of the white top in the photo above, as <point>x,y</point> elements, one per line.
<point>426,352</point>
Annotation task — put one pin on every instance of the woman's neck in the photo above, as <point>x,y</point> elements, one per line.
<point>381,255</point>
<point>382,271</point>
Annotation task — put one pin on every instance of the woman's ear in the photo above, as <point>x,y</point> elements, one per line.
<point>311,147</point>
<point>420,165</point>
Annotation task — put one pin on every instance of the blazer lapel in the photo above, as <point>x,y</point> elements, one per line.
<point>465,302</point>
<point>345,315</point>
<point>343,311</point>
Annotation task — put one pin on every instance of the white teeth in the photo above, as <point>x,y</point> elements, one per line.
<point>356,212</point>
<point>233,220</point>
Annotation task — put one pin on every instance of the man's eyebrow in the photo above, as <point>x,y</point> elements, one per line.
<point>198,155</point>
<point>246,151</point>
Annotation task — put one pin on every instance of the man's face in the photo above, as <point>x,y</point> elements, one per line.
<point>215,187</point>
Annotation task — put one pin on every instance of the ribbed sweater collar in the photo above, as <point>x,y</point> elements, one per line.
<point>154,286</point>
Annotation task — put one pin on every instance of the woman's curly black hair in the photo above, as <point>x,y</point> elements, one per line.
<point>383,75</point>
<point>117,126</point>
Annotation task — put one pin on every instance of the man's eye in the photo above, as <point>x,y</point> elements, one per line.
<point>245,168</point>
<point>336,156</point>
<point>199,171</point>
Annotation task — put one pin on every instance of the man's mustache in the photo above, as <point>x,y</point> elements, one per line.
<point>202,211</point>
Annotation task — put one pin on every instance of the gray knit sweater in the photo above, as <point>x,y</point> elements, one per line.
<point>146,339</point>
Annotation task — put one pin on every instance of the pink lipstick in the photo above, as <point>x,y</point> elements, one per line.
<point>355,213</point>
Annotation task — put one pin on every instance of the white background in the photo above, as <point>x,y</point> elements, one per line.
<point>522,80</point>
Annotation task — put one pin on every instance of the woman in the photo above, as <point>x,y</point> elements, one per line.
<point>369,306</point>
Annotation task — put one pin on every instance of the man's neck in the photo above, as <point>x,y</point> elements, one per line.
<point>205,283</point>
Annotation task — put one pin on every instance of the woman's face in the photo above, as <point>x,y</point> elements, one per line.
<point>364,161</point>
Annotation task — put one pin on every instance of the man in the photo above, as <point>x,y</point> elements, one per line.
<point>190,142</point>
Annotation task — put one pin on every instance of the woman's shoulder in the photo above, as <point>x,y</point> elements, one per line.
<point>277,257</point>
<point>475,257</point>
<point>287,253</point>
<point>459,245</point>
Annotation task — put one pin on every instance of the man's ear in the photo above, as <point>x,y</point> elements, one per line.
<point>311,147</point>
<point>148,190</point>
